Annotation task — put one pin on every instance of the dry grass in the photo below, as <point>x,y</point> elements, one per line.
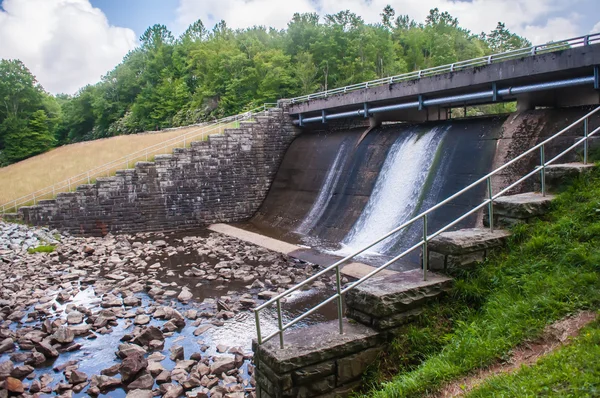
<point>60,164</point>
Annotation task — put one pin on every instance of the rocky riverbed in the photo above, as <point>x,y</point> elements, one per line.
<point>138,315</point>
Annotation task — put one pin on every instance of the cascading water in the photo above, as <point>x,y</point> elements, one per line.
<point>326,191</point>
<point>397,190</point>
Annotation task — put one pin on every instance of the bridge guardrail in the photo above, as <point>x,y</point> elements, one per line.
<point>422,218</point>
<point>106,169</point>
<point>456,66</point>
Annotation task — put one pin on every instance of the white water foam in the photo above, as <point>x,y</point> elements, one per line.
<point>396,192</point>
<point>326,191</point>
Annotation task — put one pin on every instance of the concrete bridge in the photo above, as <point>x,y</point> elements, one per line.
<point>560,78</point>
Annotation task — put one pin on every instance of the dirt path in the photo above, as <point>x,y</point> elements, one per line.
<point>554,336</point>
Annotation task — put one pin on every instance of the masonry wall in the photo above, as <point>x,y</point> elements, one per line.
<point>223,179</point>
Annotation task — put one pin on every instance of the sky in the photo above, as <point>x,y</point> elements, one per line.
<point>68,44</point>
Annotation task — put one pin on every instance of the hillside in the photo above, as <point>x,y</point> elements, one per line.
<point>59,164</point>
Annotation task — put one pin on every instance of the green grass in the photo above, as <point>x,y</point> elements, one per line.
<point>550,269</point>
<point>572,371</point>
<point>41,249</point>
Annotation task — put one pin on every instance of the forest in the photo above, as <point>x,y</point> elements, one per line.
<point>206,74</point>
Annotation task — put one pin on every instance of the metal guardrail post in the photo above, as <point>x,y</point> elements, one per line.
<point>491,204</point>
<point>280,323</point>
<point>585,143</point>
<point>338,279</point>
<point>257,320</point>
<point>425,251</point>
<point>543,170</point>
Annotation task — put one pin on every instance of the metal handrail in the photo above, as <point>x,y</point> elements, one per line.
<point>541,169</point>
<point>106,169</point>
<point>593,38</point>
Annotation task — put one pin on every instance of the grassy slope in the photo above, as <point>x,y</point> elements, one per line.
<point>551,269</point>
<point>59,164</point>
<point>573,371</point>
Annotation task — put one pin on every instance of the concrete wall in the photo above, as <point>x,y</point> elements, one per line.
<point>223,179</point>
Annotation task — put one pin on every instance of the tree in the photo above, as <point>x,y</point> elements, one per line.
<point>501,39</point>
<point>306,72</point>
<point>387,16</point>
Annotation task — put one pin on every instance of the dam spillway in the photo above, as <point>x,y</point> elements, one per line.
<point>336,193</point>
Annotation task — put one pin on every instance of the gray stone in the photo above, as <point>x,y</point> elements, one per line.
<point>353,366</point>
<point>63,335</point>
<point>7,345</point>
<point>520,207</point>
<point>139,394</point>
<point>315,344</point>
<point>560,175</point>
<point>144,381</point>
<point>468,240</point>
<point>131,366</point>
<point>390,295</point>
<point>222,365</point>
<point>314,372</point>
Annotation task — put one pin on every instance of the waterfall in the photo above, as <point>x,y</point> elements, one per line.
<point>326,191</point>
<point>397,190</point>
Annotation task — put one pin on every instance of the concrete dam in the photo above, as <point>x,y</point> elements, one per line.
<point>337,190</point>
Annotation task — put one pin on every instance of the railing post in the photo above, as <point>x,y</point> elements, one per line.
<point>280,322</point>
<point>585,143</point>
<point>258,334</point>
<point>491,204</point>
<point>543,170</point>
<point>533,50</point>
<point>586,40</point>
<point>88,177</point>
<point>425,251</point>
<point>69,184</point>
<point>338,279</point>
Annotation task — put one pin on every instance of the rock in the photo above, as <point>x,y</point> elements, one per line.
<point>156,345</point>
<point>201,329</point>
<point>20,372</point>
<point>222,348</point>
<point>63,335</point>
<point>169,327</point>
<point>141,320</point>
<point>126,350</point>
<point>267,294</point>
<point>144,381</point>
<point>35,387</point>
<point>191,382</point>
<point>176,353</point>
<point>155,368</point>
<point>222,365</point>
<point>171,390</point>
<point>7,345</point>
<point>163,377</point>
<point>14,385</point>
<point>6,369</point>
<point>113,370</point>
<point>105,382</point>
<point>132,301</point>
<point>131,366</point>
<point>149,334</point>
<point>139,394</point>
<point>36,359</point>
<point>74,318</point>
<point>185,295</point>
<point>77,377</point>
<point>88,251</point>
<point>46,349</point>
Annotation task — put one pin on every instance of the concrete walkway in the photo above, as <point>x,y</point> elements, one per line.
<point>351,269</point>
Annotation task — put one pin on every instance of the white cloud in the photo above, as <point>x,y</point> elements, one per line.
<point>534,19</point>
<point>65,43</point>
<point>596,28</point>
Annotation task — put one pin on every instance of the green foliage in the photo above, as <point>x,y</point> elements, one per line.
<point>573,371</point>
<point>206,74</point>
<point>549,270</point>
<point>41,249</point>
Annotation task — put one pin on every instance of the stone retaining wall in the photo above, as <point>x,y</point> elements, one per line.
<point>223,179</point>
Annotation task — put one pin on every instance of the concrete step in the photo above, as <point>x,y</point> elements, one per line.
<point>559,176</point>
<point>513,209</point>
<point>316,360</point>
<point>390,301</point>
<point>463,248</point>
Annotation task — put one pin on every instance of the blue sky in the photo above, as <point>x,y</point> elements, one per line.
<point>70,43</point>
<point>138,14</point>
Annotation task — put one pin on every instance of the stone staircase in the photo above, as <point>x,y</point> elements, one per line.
<point>319,361</point>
